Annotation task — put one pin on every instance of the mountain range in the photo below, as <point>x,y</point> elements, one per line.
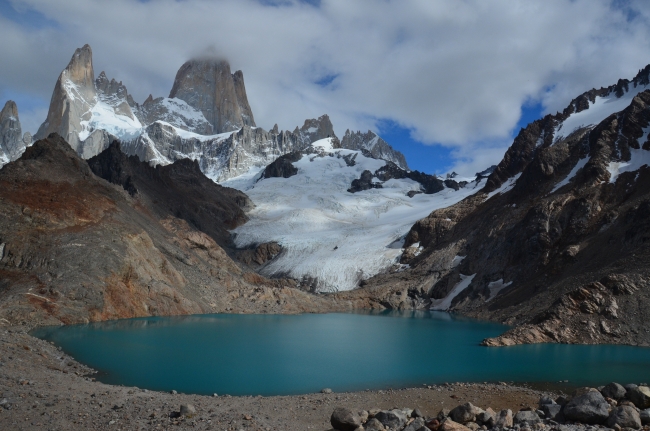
<point>115,212</point>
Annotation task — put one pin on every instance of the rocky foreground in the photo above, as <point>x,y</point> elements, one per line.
<point>610,407</point>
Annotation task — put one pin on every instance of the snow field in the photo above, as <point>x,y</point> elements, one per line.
<point>328,233</point>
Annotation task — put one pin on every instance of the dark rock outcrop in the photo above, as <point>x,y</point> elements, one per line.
<point>283,167</point>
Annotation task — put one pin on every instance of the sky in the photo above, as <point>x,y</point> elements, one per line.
<point>447,82</point>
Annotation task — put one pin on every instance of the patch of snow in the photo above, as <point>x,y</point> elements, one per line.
<point>496,287</point>
<point>457,260</point>
<point>324,145</point>
<point>602,108</point>
<point>638,158</point>
<point>444,303</point>
<point>191,135</point>
<point>506,186</point>
<point>312,129</point>
<point>416,245</point>
<point>312,212</point>
<point>103,116</point>
<point>581,164</point>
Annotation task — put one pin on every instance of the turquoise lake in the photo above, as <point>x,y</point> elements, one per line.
<point>295,354</point>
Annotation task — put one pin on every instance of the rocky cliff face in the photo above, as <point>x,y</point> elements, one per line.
<point>556,242</point>
<point>12,143</point>
<point>208,86</point>
<point>374,145</point>
<point>75,248</point>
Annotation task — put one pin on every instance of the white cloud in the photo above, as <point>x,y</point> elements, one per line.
<point>455,72</point>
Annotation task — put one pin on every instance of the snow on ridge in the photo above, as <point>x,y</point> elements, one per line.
<point>328,233</point>
<point>103,116</point>
<point>496,287</point>
<point>600,109</point>
<point>638,158</point>
<point>505,187</point>
<point>443,304</point>
<point>581,164</point>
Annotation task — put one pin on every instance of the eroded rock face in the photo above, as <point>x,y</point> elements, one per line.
<point>209,86</point>
<point>11,140</point>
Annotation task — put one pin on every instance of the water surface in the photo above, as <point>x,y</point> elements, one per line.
<point>294,354</point>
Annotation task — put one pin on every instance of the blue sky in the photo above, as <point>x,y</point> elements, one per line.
<point>448,83</point>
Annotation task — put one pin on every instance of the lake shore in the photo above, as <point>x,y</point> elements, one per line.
<point>43,388</point>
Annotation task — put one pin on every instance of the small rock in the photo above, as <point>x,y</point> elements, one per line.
<point>187,410</point>
<point>486,418</point>
<point>345,420</point>
<point>545,400</point>
<point>326,391</point>
<point>374,425</point>
<point>215,395</point>
<point>473,426</point>
<point>613,391</point>
<point>526,418</point>
<point>363,415</point>
<point>173,392</point>
<point>552,412</point>
<point>417,414</point>
<point>450,425</point>
<point>504,419</point>
<point>415,425</point>
<point>395,419</point>
<point>640,396</point>
<point>625,417</point>
<point>588,408</point>
<point>645,416</point>
<point>465,413</point>
<point>442,415</point>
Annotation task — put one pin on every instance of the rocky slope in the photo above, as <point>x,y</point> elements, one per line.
<point>556,242</point>
<point>206,118</point>
<point>12,141</point>
<point>76,248</point>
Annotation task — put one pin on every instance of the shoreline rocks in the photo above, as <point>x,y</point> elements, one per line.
<point>614,406</point>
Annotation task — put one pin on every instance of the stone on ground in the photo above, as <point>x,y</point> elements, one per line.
<point>345,420</point>
<point>527,417</point>
<point>613,391</point>
<point>625,417</point>
<point>589,408</point>
<point>640,396</point>
<point>395,419</point>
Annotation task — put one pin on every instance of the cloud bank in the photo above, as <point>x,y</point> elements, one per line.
<point>456,73</point>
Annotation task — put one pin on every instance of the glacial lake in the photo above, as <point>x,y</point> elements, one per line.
<point>296,354</point>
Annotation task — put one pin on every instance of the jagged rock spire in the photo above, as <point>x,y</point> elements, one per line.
<point>73,97</point>
<point>11,143</point>
<point>208,85</point>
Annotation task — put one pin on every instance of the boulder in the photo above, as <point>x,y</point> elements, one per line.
<point>450,425</point>
<point>640,396</point>
<point>374,425</point>
<point>395,419</point>
<point>625,417</point>
<point>345,420</point>
<point>486,418</point>
<point>645,416</point>
<point>465,413</point>
<point>415,425</point>
<point>588,408</point>
<point>416,413</point>
<point>363,415</point>
<point>613,391</point>
<point>527,417</point>
<point>552,411</point>
<point>504,419</point>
